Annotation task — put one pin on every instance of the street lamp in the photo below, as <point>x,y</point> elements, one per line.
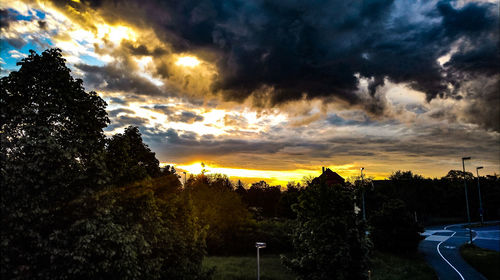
<point>479,190</point>
<point>184,178</point>
<point>259,245</point>
<point>467,198</point>
<point>363,194</point>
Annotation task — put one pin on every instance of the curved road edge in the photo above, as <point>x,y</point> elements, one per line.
<point>441,249</point>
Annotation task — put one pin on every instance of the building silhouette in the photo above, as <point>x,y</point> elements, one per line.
<point>329,178</point>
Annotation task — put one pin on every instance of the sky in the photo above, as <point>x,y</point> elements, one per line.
<point>276,90</point>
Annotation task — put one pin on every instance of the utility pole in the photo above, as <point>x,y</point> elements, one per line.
<point>467,198</point>
<point>480,200</point>
<point>363,194</point>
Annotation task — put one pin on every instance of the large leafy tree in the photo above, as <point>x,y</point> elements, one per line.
<point>51,151</point>
<point>59,219</point>
<point>329,239</point>
<point>52,133</point>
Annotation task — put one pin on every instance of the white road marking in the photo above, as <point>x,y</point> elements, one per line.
<point>439,252</point>
<point>437,238</point>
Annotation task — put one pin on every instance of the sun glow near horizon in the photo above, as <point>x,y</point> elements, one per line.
<point>273,177</point>
<point>187,61</point>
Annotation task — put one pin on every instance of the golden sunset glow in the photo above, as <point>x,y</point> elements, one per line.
<point>279,177</point>
<point>274,177</point>
<point>187,61</point>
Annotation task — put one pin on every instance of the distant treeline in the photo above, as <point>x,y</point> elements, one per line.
<point>431,200</point>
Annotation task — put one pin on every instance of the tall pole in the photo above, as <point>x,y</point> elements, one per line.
<point>184,178</point>
<point>467,198</point>
<point>259,245</point>
<point>479,190</point>
<point>363,194</point>
<point>258,264</point>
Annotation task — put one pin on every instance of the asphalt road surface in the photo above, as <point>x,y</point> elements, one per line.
<point>441,249</point>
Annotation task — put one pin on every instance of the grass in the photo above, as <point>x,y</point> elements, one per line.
<point>242,268</point>
<point>384,267</point>
<point>485,224</point>
<point>393,267</point>
<point>483,260</point>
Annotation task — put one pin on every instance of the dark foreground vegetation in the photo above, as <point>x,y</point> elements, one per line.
<point>244,268</point>
<point>483,260</point>
<point>78,205</point>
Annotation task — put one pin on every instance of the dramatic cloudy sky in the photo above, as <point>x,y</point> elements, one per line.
<point>277,89</point>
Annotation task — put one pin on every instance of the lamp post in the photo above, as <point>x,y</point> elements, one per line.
<point>259,245</point>
<point>184,178</point>
<point>479,190</point>
<point>363,194</point>
<point>467,198</point>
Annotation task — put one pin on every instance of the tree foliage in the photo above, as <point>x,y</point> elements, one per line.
<point>60,218</point>
<point>458,175</point>
<point>394,229</point>
<point>51,152</point>
<point>404,176</point>
<point>129,159</point>
<point>222,212</point>
<point>329,240</point>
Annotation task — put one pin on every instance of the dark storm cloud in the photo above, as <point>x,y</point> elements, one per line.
<point>483,60</point>
<point>114,113</point>
<point>116,100</point>
<point>110,78</point>
<point>483,107</point>
<point>5,18</point>
<point>125,120</point>
<point>295,47</point>
<point>187,117</point>
<point>432,142</point>
<point>171,112</point>
<point>187,143</point>
<point>164,109</point>
<point>142,50</point>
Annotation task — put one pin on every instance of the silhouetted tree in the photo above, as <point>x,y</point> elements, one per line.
<point>240,189</point>
<point>404,175</point>
<point>457,175</point>
<point>52,151</point>
<point>222,212</point>
<point>329,240</point>
<point>288,198</point>
<point>59,220</point>
<point>265,197</point>
<point>129,159</point>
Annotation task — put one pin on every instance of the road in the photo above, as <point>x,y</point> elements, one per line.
<point>441,249</point>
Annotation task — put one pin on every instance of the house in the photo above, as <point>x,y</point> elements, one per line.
<point>329,177</point>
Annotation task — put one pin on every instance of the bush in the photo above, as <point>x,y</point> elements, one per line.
<point>328,238</point>
<point>394,229</point>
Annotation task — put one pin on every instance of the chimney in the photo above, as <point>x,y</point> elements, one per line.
<point>323,170</point>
